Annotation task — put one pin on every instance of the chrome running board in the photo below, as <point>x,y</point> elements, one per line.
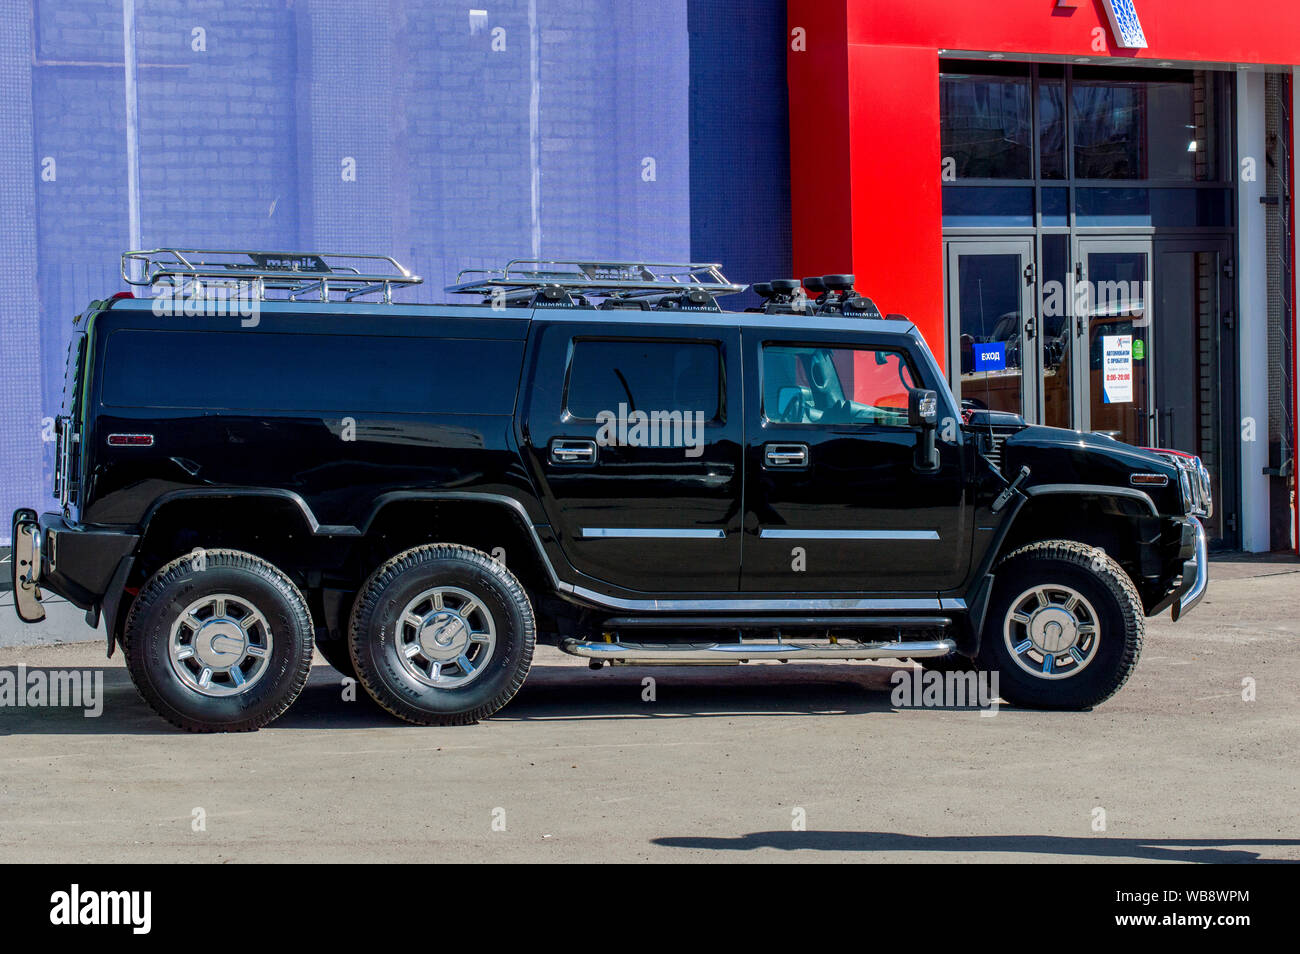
<point>677,654</point>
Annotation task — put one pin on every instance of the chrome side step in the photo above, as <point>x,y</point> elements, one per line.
<point>677,654</point>
<point>759,622</point>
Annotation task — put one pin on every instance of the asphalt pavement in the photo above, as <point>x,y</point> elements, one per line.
<point>1194,760</point>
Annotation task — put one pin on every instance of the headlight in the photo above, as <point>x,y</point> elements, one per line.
<point>1193,483</point>
<point>1185,488</point>
<point>1203,475</point>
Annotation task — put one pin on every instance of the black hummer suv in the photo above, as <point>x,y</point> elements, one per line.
<point>266,452</point>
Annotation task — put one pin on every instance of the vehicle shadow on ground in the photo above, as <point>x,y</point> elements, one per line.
<point>569,692</point>
<point>552,693</point>
<point>1196,850</point>
<point>573,692</point>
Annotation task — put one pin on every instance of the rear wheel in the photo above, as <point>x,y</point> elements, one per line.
<point>442,635</point>
<point>1064,629</point>
<point>220,643</point>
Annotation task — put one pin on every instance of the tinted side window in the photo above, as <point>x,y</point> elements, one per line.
<point>812,384</point>
<point>269,371</point>
<point>644,375</point>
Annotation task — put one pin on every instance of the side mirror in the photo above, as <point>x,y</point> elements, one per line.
<point>923,413</point>
<point>922,408</point>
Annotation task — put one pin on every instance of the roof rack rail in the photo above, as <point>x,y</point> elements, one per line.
<point>267,275</point>
<point>554,281</point>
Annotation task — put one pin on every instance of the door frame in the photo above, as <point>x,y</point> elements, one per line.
<point>1030,361</point>
<point>1081,247</point>
<point>1229,499</point>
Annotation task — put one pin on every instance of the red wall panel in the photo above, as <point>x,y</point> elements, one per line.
<point>896,231</point>
<point>817,72</point>
<point>864,115</point>
<point>1245,32</point>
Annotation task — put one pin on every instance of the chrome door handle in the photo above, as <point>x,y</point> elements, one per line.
<point>785,455</point>
<point>567,451</point>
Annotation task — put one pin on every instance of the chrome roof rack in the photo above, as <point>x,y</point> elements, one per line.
<point>324,276</point>
<point>526,280</point>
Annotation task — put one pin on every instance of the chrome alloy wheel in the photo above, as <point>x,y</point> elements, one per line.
<point>445,637</point>
<point>1051,631</point>
<point>220,645</point>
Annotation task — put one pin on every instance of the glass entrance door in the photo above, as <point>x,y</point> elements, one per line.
<point>990,286</point>
<point>1114,323</point>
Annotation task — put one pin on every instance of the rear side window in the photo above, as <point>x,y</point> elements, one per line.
<point>645,376</point>
<point>268,371</point>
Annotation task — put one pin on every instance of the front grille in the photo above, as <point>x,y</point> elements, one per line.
<point>991,441</point>
<point>994,444</point>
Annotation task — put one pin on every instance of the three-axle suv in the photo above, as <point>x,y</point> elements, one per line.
<point>263,453</point>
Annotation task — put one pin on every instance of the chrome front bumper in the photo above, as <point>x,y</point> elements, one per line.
<point>26,572</point>
<point>1196,575</point>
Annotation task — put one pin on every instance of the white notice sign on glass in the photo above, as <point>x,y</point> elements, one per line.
<point>1117,368</point>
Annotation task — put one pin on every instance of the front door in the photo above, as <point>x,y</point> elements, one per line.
<point>834,499</point>
<point>991,294</point>
<point>1113,302</point>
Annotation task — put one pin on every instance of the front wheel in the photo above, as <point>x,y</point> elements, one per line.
<point>442,635</point>
<point>1064,629</point>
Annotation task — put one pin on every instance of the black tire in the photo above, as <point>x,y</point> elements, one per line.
<point>338,655</point>
<point>275,676</point>
<point>1104,662</point>
<point>377,635</point>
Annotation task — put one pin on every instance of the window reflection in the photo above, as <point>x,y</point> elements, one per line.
<point>1051,125</point>
<point>986,125</point>
<point>989,317</point>
<point>1129,127</point>
<point>1056,330</point>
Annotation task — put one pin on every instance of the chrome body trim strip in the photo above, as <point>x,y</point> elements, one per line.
<point>658,533</point>
<point>686,653</point>
<point>888,604</point>
<point>783,533</point>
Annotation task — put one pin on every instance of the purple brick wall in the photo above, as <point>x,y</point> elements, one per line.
<point>247,111</point>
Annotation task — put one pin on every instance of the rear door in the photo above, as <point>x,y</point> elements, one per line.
<point>634,436</point>
<point>834,500</point>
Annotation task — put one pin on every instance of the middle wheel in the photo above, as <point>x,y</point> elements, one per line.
<point>442,635</point>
